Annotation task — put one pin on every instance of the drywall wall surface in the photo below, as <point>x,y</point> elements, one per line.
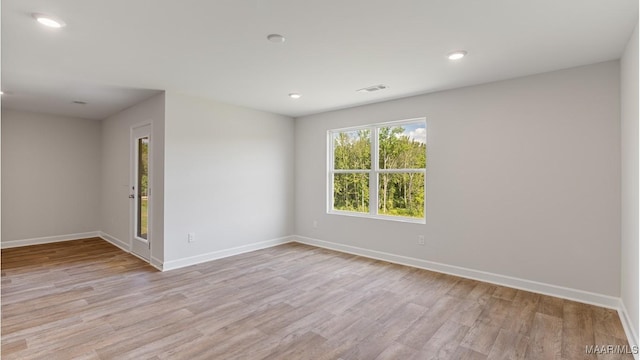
<point>50,175</point>
<point>523,179</point>
<point>228,177</point>
<point>116,162</point>
<point>629,137</point>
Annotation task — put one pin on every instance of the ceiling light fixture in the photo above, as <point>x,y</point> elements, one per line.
<point>457,55</point>
<point>276,38</point>
<point>48,20</point>
<point>295,96</point>
<point>1,92</point>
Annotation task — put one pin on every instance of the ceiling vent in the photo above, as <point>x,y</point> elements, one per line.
<point>373,88</point>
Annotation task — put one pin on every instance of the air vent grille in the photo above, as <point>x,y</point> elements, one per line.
<point>372,88</point>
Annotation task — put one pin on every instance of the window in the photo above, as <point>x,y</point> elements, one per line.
<point>379,170</point>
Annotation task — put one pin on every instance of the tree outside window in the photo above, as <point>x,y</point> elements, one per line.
<point>379,170</point>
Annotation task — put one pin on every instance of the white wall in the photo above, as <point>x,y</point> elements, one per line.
<point>629,131</point>
<point>116,132</point>
<point>228,176</point>
<point>50,175</point>
<point>523,179</point>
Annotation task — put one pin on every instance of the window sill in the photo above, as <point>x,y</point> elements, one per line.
<point>378,217</point>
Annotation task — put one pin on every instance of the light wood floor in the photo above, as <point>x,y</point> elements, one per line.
<point>87,299</point>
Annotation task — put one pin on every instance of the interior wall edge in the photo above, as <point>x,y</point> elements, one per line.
<point>156,263</point>
<point>122,245</point>
<point>6,244</point>
<point>627,325</point>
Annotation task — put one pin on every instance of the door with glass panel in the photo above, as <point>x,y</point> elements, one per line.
<point>140,191</point>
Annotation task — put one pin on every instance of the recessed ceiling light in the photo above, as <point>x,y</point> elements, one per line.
<point>48,20</point>
<point>276,38</point>
<point>457,55</point>
<point>295,96</point>
<point>1,92</point>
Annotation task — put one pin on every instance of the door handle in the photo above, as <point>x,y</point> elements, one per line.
<point>132,196</point>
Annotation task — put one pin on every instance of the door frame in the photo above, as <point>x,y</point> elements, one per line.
<point>133,168</point>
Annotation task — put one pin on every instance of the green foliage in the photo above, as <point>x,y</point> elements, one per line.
<point>144,218</point>
<point>352,150</point>
<point>399,194</point>
<point>351,192</point>
<point>143,164</point>
<point>143,174</point>
<point>397,151</point>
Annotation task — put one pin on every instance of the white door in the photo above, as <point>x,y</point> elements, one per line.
<point>140,194</point>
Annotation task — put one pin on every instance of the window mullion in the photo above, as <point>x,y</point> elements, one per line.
<point>373,174</point>
<point>350,171</point>
<point>401,171</point>
<point>330,175</point>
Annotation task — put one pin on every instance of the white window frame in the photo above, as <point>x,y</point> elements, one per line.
<point>374,173</point>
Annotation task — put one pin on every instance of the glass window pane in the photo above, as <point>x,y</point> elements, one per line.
<point>143,188</point>
<point>403,147</point>
<point>351,192</point>
<point>401,194</point>
<point>352,149</point>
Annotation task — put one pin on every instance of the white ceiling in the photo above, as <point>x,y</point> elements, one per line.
<point>110,51</point>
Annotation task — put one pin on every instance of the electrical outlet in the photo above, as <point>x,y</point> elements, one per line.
<point>421,240</point>
<point>191,237</point>
<point>315,224</point>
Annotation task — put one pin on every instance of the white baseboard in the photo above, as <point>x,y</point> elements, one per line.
<point>156,263</point>
<point>193,260</point>
<point>522,284</point>
<point>627,324</point>
<point>124,246</point>
<point>48,239</point>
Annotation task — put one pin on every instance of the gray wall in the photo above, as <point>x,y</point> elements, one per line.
<point>523,179</point>
<point>115,161</point>
<point>50,175</point>
<point>228,176</point>
<point>629,131</point>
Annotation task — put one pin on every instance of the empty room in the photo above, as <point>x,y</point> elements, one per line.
<point>279,179</point>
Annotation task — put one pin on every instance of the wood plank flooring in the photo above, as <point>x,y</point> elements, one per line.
<point>86,299</point>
